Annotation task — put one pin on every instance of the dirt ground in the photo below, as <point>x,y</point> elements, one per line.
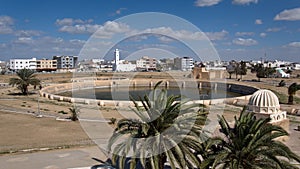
<point>21,129</point>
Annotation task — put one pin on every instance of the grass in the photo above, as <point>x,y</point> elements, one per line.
<point>283,98</point>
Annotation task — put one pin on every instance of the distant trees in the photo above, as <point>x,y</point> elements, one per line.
<point>25,78</point>
<point>239,68</point>
<point>293,88</point>
<point>261,71</point>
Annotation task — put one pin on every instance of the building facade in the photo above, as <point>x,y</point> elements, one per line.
<point>17,64</point>
<point>66,62</point>
<point>184,63</point>
<point>46,65</point>
<point>146,63</point>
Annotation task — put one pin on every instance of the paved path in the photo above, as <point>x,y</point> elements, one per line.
<point>57,159</point>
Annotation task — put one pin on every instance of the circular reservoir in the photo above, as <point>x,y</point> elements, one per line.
<point>124,93</point>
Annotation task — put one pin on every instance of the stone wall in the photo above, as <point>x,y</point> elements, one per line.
<point>51,91</point>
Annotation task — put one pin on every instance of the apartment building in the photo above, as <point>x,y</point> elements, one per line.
<point>146,63</point>
<point>46,65</point>
<point>184,63</point>
<point>66,62</point>
<point>17,64</point>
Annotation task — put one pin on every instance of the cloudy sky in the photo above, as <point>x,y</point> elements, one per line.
<point>238,29</point>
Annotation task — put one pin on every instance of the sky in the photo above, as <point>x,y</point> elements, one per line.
<point>236,29</point>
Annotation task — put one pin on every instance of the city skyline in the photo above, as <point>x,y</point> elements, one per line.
<point>238,29</point>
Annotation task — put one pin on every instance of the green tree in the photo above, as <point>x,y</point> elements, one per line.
<point>293,88</point>
<point>25,78</point>
<point>260,72</point>
<point>167,130</point>
<point>243,69</point>
<point>249,144</point>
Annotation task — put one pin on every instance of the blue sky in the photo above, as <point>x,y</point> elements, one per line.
<point>238,29</point>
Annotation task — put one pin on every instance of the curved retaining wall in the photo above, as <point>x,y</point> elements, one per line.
<point>51,91</point>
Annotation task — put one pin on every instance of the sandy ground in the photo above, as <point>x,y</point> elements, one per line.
<point>23,131</point>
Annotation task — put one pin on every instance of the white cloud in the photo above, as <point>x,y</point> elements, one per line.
<point>110,28</point>
<point>293,44</point>
<point>244,42</point>
<point>24,40</point>
<point>103,31</point>
<point>289,15</point>
<point>79,29</point>
<point>27,33</point>
<point>187,35</point>
<point>71,21</point>
<point>262,34</point>
<point>258,22</point>
<point>274,29</point>
<point>6,24</point>
<point>244,2</point>
<point>119,11</point>
<point>216,35</point>
<point>203,3</point>
<point>244,34</point>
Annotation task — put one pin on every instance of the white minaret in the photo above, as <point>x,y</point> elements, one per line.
<point>117,59</point>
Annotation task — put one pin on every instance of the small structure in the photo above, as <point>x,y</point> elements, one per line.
<point>208,73</point>
<point>265,104</point>
<point>281,73</point>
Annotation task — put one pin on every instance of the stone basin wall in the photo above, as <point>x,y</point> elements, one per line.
<point>51,92</point>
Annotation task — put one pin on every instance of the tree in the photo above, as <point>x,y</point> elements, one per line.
<point>251,143</point>
<point>230,69</point>
<point>25,78</point>
<point>237,69</point>
<point>260,72</point>
<point>293,88</point>
<point>74,113</point>
<point>243,69</point>
<point>167,130</point>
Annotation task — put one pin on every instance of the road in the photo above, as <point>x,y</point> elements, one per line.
<point>79,158</point>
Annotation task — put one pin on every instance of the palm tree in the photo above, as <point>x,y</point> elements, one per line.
<point>249,144</point>
<point>74,113</point>
<point>25,78</point>
<point>167,130</point>
<point>293,88</point>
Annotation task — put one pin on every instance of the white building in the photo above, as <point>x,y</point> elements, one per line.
<point>296,66</point>
<point>184,64</point>
<point>146,63</point>
<point>122,66</point>
<point>17,64</point>
<point>265,104</point>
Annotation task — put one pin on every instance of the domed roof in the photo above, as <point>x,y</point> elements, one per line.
<point>264,101</point>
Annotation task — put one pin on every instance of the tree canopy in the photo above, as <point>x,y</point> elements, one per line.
<point>25,77</point>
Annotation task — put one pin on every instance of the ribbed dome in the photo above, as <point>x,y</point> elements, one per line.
<point>264,101</point>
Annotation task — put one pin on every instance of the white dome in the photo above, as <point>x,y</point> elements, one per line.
<point>264,101</point>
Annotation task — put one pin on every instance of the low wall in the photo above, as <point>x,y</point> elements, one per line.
<point>51,91</point>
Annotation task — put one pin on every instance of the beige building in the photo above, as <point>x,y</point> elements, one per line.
<point>46,65</point>
<point>205,74</point>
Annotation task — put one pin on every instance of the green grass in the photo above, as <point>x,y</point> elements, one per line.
<point>283,98</point>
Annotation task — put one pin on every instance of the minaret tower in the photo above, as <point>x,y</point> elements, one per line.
<point>117,59</point>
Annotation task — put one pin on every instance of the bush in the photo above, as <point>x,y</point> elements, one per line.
<point>112,121</point>
<point>281,83</point>
<point>62,112</point>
